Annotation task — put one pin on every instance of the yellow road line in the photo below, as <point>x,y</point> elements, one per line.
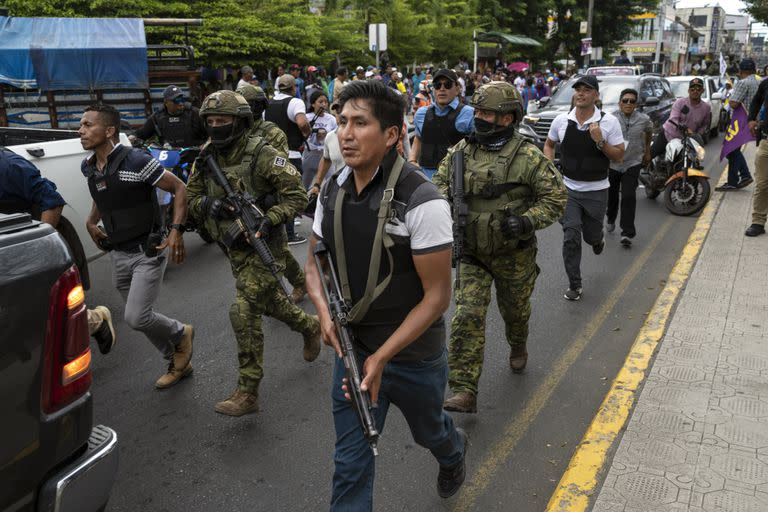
<point>581,478</point>
<point>500,451</point>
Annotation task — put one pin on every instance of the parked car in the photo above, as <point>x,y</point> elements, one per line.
<point>52,458</point>
<point>655,100</point>
<point>711,95</point>
<point>614,70</point>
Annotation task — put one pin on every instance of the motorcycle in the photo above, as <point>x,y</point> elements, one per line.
<point>679,174</point>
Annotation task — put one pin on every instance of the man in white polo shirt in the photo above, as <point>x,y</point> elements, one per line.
<point>589,140</point>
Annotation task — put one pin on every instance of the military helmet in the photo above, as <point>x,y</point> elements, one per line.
<point>500,97</point>
<point>251,93</point>
<point>226,103</point>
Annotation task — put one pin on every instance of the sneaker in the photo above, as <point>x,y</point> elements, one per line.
<point>172,376</point>
<point>450,478</point>
<point>598,247</point>
<point>626,241</point>
<point>298,294</point>
<point>105,334</point>
<point>296,240</point>
<point>725,188</point>
<point>745,182</point>
<point>463,401</point>
<point>755,230</point>
<point>240,403</point>
<point>573,293</point>
<point>183,354</point>
<point>610,227</point>
<point>312,342</point>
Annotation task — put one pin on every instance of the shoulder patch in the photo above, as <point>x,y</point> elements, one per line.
<point>279,161</point>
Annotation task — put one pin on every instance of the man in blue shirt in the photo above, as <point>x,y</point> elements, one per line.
<point>440,125</point>
<point>418,77</point>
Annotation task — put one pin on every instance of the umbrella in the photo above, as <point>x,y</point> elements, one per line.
<point>517,66</point>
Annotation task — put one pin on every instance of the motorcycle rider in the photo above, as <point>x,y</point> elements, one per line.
<point>177,124</point>
<point>696,119</point>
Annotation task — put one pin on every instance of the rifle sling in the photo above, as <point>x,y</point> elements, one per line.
<point>372,290</point>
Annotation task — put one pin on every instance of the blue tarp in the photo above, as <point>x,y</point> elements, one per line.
<point>54,54</point>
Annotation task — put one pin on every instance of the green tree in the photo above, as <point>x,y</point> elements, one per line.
<point>758,9</point>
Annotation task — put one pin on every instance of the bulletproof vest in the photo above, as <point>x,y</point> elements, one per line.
<point>178,131</point>
<point>493,188</point>
<point>277,112</point>
<point>437,135</point>
<point>404,292</point>
<point>580,157</point>
<point>128,209</point>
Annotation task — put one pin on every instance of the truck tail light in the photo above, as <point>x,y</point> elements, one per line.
<point>67,359</point>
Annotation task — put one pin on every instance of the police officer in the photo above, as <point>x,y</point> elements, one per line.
<point>276,138</point>
<point>177,123</point>
<point>252,166</point>
<point>511,190</point>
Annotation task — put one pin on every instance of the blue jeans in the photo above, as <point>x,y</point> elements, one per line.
<point>417,389</point>
<point>738,169</point>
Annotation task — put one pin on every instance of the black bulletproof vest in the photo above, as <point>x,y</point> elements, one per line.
<point>437,135</point>
<point>128,208</point>
<point>179,131</point>
<point>580,157</point>
<point>404,291</point>
<point>277,112</point>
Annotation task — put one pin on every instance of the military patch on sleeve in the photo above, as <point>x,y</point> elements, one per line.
<point>279,161</point>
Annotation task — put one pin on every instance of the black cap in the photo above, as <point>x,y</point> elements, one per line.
<point>588,80</point>
<point>696,81</point>
<point>747,65</point>
<point>172,92</point>
<point>446,73</point>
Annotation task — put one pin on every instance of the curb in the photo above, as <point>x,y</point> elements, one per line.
<point>581,479</point>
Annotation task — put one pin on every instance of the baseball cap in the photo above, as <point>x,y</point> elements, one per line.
<point>311,69</point>
<point>359,68</point>
<point>368,74</point>
<point>446,73</point>
<point>294,66</point>
<point>172,92</point>
<point>286,82</point>
<point>696,81</point>
<point>747,64</point>
<point>588,80</point>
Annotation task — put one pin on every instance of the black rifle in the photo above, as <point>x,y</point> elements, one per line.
<point>248,218</point>
<point>339,310</point>
<point>460,210</point>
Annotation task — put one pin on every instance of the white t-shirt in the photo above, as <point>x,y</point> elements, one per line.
<point>519,84</point>
<point>324,125</point>
<point>463,87</point>
<point>241,83</point>
<point>611,129</point>
<point>295,107</point>
<point>429,225</point>
<point>332,152</point>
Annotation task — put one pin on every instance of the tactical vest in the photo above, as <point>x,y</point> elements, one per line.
<point>128,209</point>
<point>277,112</point>
<point>178,130</point>
<point>437,135</point>
<point>493,188</point>
<point>581,159</point>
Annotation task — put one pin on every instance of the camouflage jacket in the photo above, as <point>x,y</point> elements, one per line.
<point>272,133</point>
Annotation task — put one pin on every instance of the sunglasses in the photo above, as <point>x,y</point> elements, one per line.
<point>442,85</point>
<point>629,101</point>
<point>179,100</point>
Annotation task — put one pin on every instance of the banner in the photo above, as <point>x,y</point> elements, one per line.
<point>737,132</point>
<point>586,46</point>
<point>723,67</point>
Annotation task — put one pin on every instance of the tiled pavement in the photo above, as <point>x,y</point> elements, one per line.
<point>698,438</point>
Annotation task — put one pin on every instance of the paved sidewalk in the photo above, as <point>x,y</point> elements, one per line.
<point>698,438</point>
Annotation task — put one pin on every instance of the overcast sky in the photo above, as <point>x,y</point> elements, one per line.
<point>730,6</point>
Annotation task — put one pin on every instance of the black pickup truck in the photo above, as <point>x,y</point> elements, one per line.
<point>52,458</point>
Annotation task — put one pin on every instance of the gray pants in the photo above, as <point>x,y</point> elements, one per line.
<point>583,216</point>
<point>138,279</point>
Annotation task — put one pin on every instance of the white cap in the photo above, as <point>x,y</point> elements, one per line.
<point>368,74</point>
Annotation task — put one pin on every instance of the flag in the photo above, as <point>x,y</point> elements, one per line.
<point>737,133</point>
<point>723,66</point>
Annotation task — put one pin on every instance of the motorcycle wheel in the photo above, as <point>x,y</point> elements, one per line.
<point>689,198</point>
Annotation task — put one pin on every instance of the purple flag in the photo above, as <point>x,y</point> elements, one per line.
<point>737,133</point>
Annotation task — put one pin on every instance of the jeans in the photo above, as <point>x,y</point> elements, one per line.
<point>289,228</point>
<point>583,216</point>
<point>417,389</point>
<point>622,191</point>
<point>738,169</point>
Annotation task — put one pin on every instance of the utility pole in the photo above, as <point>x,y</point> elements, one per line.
<point>659,37</point>
<point>589,31</point>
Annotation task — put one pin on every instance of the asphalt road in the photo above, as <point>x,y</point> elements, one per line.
<point>177,454</point>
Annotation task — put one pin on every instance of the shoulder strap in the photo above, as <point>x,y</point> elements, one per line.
<point>372,290</point>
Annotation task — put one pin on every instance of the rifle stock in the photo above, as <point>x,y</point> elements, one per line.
<point>339,309</point>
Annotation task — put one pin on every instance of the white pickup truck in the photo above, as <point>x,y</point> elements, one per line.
<point>58,154</point>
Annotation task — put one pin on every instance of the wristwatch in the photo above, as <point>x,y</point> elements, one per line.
<point>600,145</point>
<point>177,227</point>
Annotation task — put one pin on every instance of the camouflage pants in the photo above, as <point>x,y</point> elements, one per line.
<point>293,272</point>
<point>514,275</point>
<point>259,294</point>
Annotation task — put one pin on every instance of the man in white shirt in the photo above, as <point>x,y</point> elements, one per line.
<point>519,83</point>
<point>247,76</point>
<point>589,140</point>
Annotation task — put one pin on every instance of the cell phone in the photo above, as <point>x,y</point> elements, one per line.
<point>153,240</point>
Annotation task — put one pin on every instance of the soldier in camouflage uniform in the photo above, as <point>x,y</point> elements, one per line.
<point>511,190</point>
<point>276,138</point>
<point>252,166</point>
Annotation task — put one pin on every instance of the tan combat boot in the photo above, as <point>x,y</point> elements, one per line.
<point>518,357</point>
<point>238,404</point>
<point>172,376</point>
<point>312,342</point>
<point>463,401</point>
<point>183,354</point>
<point>298,294</point>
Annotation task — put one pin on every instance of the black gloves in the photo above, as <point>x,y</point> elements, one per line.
<point>265,227</point>
<point>218,209</point>
<point>516,226</point>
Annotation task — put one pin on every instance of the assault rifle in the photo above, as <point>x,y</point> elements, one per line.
<point>248,218</point>
<point>339,310</point>
<point>459,210</point>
